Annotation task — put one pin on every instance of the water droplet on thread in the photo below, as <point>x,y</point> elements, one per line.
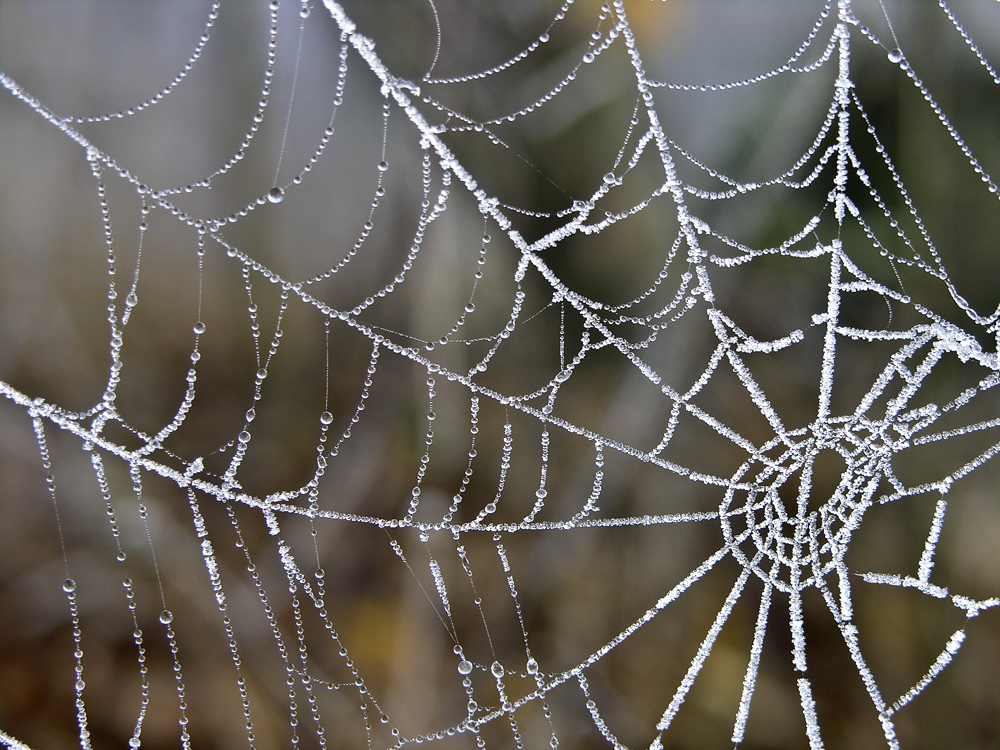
<point>326,418</point>
<point>199,328</point>
<point>496,669</point>
<point>532,666</point>
<point>383,166</point>
<point>465,666</point>
<point>895,56</point>
<point>276,195</point>
<point>166,617</point>
<point>69,585</point>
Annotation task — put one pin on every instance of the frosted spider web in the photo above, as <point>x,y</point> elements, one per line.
<point>401,429</point>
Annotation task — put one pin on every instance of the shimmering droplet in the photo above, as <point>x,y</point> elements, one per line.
<point>244,437</point>
<point>382,166</point>
<point>610,179</point>
<point>261,373</point>
<point>532,666</point>
<point>496,669</point>
<point>69,585</point>
<point>464,666</point>
<point>895,56</point>
<point>326,418</point>
<point>199,328</point>
<point>251,415</point>
<point>470,308</point>
<point>131,300</point>
<point>166,617</point>
<point>276,195</point>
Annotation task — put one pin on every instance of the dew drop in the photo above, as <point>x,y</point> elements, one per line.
<point>131,300</point>
<point>532,666</point>
<point>464,666</point>
<point>326,418</point>
<point>496,669</point>
<point>276,195</point>
<point>251,415</point>
<point>69,585</point>
<point>895,56</point>
<point>610,179</point>
<point>199,328</point>
<point>383,166</point>
<point>166,617</point>
<point>244,437</point>
<point>470,308</point>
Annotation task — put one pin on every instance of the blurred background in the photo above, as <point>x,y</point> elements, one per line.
<point>576,589</point>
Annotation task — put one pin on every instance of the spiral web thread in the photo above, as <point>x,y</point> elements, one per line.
<point>789,545</point>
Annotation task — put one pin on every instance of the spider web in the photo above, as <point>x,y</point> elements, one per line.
<point>398,427</point>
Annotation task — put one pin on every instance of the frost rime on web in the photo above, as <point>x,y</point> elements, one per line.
<point>793,546</point>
